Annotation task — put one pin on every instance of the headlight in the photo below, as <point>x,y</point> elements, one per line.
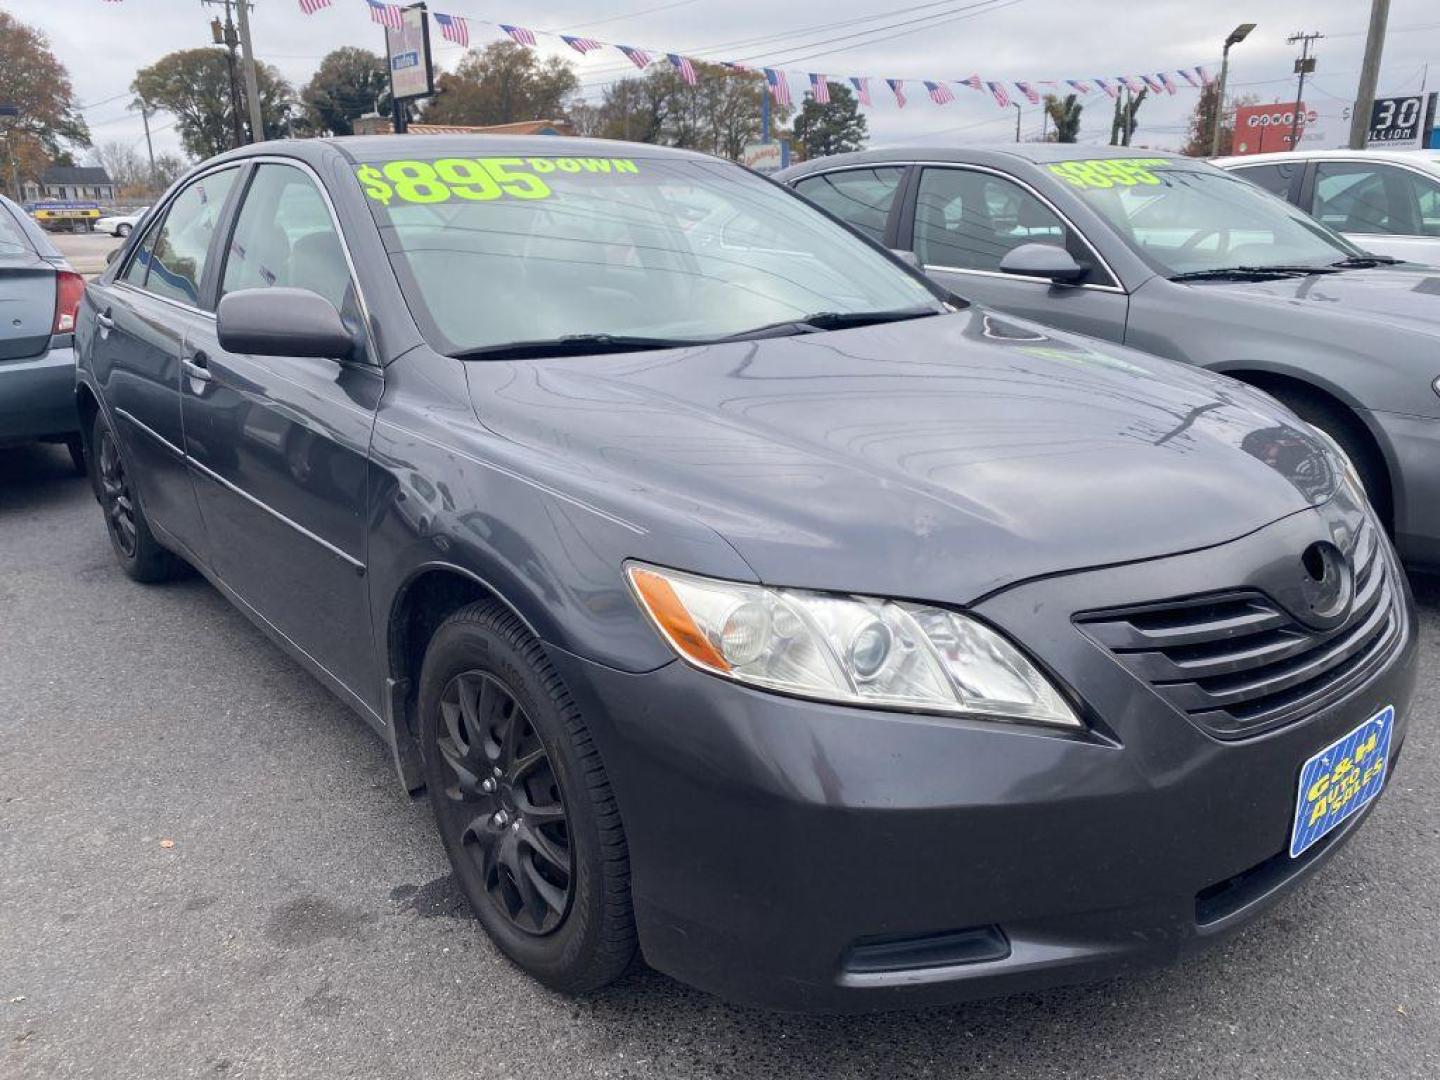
<point>1349,475</point>
<point>852,649</point>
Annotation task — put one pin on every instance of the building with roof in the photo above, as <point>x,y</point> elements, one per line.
<point>71,183</point>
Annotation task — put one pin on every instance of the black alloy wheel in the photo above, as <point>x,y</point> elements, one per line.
<point>116,497</point>
<point>502,805</point>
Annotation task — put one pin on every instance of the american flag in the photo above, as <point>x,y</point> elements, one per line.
<point>388,15</point>
<point>582,45</point>
<point>1204,75</point>
<point>779,88</point>
<point>452,28</point>
<point>939,93</point>
<point>1167,82</point>
<point>1080,86</point>
<point>683,65</point>
<point>1128,83</point>
<point>639,57</point>
<point>997,91</point>
<point>820,88</point>
<point>1152,83</point>
<point>898,87</point>
<point>862,90</point>
<point>1189,78</point>
<point>1108,88</point>
<point>973,82</point>
<point>1029,91</point>
<point>519,34</point>
<point>309,7</point>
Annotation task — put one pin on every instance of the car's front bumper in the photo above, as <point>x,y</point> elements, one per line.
<point>37,395</point>
<point>780,848</point>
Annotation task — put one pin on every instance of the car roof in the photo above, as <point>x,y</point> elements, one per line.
<point>1415,157</point>
<point>379,147</point>
<point>999,154</point>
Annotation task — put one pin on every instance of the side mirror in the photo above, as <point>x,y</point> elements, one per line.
<point>282,322</point>
<point>110,255</point>
<point>1043,261</point>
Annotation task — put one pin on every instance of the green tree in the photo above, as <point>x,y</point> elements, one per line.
<point>1122,126</point>
<point>502,83</point>
<point>48,119</point>
<point>193,85</point>
<point>349,82</point>
<point>836,128</point>
<point>1064,113</point>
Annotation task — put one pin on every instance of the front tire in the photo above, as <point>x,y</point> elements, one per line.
<point>522,802</point>
<point>136,549</point>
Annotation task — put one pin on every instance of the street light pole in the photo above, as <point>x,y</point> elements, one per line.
<point>1018,114</point>
<point>1239,34</point>
<point>1303,67</point>
<point>1369,74</point>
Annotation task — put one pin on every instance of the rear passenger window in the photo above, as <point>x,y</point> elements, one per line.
<point>175,265</point>
<point>860,197</point>
<point>284,236</point>
<point>1274,178</point>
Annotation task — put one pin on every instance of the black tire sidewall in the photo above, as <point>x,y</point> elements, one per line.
<point>562,957</point>
<point>151,562</point>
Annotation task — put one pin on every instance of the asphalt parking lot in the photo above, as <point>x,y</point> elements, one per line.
<point>207,869</point>
<point>85,251</point>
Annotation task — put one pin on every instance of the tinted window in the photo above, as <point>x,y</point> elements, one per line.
<point>1274,178</point>
<point>175,264</point>
<point>494,251</point>
<point>1374,198</point>
<point>971,220</point>
<point>12,238</point>
<point>284,236</point>
<point>862,197</point>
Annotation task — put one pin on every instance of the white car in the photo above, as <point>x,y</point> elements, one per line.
<point>1386,201</point>
<point>120,224</point>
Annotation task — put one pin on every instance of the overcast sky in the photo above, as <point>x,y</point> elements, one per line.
<point>103,44</point>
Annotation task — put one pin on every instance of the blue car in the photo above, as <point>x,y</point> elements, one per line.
<point>39,294</point>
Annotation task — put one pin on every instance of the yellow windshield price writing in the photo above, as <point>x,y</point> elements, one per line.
<point>475,179</point>
<point>1109,172</point>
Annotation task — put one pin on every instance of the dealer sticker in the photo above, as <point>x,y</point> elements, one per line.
<point>477,179</point>
<point>1108,172</point>
<point>1341,780</point>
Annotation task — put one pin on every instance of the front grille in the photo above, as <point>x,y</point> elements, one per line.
<point>1237,663</point>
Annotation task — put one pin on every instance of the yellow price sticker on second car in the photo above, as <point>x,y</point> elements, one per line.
<point>475,179</point>
<point>1108,172</point>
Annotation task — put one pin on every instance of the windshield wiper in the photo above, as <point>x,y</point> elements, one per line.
<point>1246,273</point>
<point>830,320</point>
<point>1365,262</point>
<point>574,345</point>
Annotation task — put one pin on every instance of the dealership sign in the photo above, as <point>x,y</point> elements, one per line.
<point>766,157</point>
<point>408,50</point>
<point>1402,123</point>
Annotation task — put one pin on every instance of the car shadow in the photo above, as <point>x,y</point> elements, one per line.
<point>35,477</point>
<point>1426,588</point>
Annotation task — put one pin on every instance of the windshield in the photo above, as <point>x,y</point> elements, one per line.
<point>1185,220</point>
<point>497,251</point>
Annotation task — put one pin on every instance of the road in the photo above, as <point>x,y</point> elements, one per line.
<point>207,870</point>
<point>85,251</point>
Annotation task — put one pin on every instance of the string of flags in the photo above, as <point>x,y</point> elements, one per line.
<point>456,29</point>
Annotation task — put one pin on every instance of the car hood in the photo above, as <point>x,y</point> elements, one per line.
<point>939,458</point>
<point>1407,295</point>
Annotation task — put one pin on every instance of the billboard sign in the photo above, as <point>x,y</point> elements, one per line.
<point>1401,123</point>
<point>408,53</point>
<point>766,157</point>
<point>1264,129</point>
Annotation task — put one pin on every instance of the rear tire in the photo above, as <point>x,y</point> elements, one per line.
<point>136,549</point>
<point>522,802</point>
<point>76,446</point>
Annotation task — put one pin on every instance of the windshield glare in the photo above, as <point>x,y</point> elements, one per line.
<point>1190,220</point>
<point>658,248</point>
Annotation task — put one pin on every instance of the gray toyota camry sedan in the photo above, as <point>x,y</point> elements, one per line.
<point>1173,256</point>
<point>741,599</point>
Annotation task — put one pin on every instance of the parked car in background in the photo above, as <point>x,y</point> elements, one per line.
<point>1183,260</point>
<point>38,297</point>
<point>735,594</point>
<point>1386,201</point>
<point>120,224</point>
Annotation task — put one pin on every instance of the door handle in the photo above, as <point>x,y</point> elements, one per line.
<point>197,367</point>
<point>104,321</point>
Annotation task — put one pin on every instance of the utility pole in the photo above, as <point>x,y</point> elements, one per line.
<point>1019,112</point>
<point>224,34</point>
<point>1239,34</point>
<point>1303,66</point>
<point>252,85</point>
<point>149,146</point>
<point>1369,74</point>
